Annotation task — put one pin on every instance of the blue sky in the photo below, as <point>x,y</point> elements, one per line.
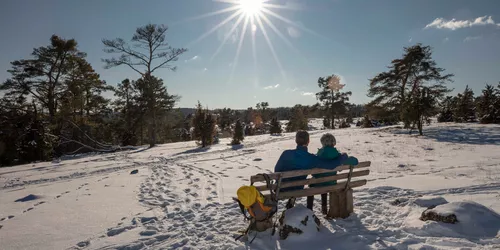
<point>355,39</point>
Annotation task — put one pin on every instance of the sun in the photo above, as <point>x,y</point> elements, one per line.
<point>251,7</point>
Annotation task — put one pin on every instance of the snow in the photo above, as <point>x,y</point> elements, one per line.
<point>181,196</point>
<point>474,221</point>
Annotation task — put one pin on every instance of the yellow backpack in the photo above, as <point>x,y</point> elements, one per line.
<point>260,208</point>
<point>251,200</point>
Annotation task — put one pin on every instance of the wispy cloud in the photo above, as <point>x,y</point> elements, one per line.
<point>205,69</point>
<point>194,58</point>
<point>308,94</point>
<point>453,24</point>
<point>411,39</point>
<point>272,86</point>
<point>472,38</point>
<point>291,90</point>
<point>445,40</point>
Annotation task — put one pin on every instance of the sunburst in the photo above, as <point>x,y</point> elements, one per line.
<point>251,16</point>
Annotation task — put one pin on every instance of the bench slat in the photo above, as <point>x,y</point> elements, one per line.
<point>319,190</point>
<point>288,174</point>
<point>315,180</point>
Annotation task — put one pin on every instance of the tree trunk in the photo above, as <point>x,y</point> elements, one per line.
<point>152,131</point>
<point>419,124</point>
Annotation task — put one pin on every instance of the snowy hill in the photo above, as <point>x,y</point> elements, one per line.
<point>181,195</point>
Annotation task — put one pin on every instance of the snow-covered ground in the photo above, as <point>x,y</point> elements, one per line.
<point>181,195</point>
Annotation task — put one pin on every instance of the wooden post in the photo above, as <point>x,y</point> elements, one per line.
<point>342,205</point>
<point>334,211</point>
<point>349,201</point>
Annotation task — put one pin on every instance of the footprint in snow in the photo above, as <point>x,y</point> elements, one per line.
<point>40,203</point>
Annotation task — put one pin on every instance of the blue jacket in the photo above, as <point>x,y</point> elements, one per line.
<point>300,159</point>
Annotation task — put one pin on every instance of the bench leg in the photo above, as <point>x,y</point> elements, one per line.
<point>341,204</point>
<point>349,201</point>
<point>334,211</point>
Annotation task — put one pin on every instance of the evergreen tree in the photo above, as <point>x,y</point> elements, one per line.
<point>335,102</point>
<point>42,78</point>
<point>412,81</point>
<point>419,108</point>
<point>226,118</point>
<point>367,123</point>
<point>149,51</point>
<point>487,110</point>
<point>263,109</point>
<point>465,110</point>
<point>275,127</point>
<point>130,112</point>
<point>297,120</point>
<point>204,126</point>
<point>446,113</point>
<point>238,133</point>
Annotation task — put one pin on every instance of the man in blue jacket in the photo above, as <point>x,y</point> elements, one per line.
<point>300,159</point>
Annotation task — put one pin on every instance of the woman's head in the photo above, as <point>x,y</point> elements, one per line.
<point>328,140</point>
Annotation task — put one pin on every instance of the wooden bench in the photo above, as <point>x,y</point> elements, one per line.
<point>341,199</point>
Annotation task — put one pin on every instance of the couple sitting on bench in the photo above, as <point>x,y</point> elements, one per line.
<point>300,159</point>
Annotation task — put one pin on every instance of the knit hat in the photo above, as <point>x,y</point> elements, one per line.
<point>328,140</point>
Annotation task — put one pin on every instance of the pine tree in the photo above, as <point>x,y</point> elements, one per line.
<point>412,81</point>
<point>465,110</point>
<point>297,120</point>
<point>204,126</point>
<point>238,133</point>
<point>42,78</point>
<point>487,111</point>
<point>367,123</point>
<point>149,51</point>
<point>335,102</point>
<point>275,127</point>
<point>446,113</point>
<point>263,109</point>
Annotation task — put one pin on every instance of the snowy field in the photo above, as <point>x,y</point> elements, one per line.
<point>181,196</point>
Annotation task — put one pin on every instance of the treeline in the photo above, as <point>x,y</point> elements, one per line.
<point>464,107</point>
<point>413,90</point>
<point>53,102</point>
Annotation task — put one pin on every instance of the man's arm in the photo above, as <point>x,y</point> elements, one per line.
<point>343,159</point>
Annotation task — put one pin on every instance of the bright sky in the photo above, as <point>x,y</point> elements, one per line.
<point>352,38</point>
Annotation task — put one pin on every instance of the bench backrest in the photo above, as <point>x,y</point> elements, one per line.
<point>354,171</point>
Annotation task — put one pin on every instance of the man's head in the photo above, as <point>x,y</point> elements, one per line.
<point>302,138</point>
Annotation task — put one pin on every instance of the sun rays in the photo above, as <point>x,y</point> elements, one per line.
<point>250,16</point>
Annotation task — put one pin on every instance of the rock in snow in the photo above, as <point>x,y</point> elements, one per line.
<point>472,220</point>
<point>135,171</point>
<point>298,221</point>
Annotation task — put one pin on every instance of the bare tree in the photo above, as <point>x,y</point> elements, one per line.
<point>147,52</point>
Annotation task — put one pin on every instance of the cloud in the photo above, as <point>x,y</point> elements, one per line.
<point>472,38</point>
<point>291,90</point>
<point>293,32</point>
<point>453,24</point>
<point>308,94</point>
<point>194,58</point>
<point>411,39</point>
<point>445,40</point>
<point>205,69</point>
<point>272,86</point>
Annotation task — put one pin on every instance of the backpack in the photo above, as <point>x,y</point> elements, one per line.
<point>260,209</point>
